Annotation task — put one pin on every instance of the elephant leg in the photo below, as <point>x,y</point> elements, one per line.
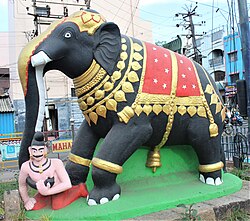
<point>208,150</point>
<point>81,154</point>
<point>119,144</point>
<point>78,166</point>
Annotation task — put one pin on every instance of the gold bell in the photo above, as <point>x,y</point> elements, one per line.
<point>154,160</point>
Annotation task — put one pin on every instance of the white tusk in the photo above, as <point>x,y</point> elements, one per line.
<point>41,91</point>
<point>40,59</point>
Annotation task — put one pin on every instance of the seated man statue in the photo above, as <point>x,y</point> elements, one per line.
<point>49,177</point>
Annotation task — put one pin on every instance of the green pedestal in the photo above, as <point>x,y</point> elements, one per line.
<point>144,192</point>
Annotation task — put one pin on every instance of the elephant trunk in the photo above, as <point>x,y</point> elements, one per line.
<point>34,102</point>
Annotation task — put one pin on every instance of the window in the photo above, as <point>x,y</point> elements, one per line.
<point>73,92</point>
<point>233,56</point>
<point>234,78</point>
<point>219,76</point>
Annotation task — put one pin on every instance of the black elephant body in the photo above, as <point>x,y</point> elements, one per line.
<point>132,93</point>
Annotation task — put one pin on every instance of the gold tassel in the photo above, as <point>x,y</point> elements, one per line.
<point>153,160</point>
<point>213,129</point>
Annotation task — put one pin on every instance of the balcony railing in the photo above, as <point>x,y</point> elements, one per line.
<point>216,62</point>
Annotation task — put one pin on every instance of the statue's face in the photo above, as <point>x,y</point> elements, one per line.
<point>38,152</point>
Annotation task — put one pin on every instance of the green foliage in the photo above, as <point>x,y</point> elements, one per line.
<point>237,214</point>
<point>243,174</point>
<point>45,217</point>
<point>190,214</point>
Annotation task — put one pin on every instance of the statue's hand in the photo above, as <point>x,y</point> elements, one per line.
<point>30,204</point>
<point>42,189</point>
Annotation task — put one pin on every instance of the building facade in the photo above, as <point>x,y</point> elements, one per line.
<point>234,64</point>
<point>211,54</point>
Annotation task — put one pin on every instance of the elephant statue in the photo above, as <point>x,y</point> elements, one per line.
<point>131,93</point>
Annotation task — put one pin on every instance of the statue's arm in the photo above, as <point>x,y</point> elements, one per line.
<point>23,189</point>
<point>62,176</point>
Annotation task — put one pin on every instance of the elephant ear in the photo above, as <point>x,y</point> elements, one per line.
<point>107,46</point>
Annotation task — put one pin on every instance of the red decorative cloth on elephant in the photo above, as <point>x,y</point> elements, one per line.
<point>160,68</point>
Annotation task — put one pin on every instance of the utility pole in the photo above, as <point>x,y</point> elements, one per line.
<point>190,15</point>
<point>44,12</point>
<point>245,42</point>
<point>35,19</point>
<point>188,24</point>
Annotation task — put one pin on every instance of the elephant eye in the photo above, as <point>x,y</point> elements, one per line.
<point>67,35</point>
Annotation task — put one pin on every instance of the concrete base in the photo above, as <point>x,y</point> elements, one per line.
<point>143,192</point>
<point>210,210</point>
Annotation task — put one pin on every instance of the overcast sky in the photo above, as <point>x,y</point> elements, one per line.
<point>3,15</point>
<point>162,14</point>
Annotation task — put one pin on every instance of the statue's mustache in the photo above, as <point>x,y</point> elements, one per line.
<point>37,156</point>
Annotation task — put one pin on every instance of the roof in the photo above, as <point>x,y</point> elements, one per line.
<point>6,104</point>
<point>174,45</point>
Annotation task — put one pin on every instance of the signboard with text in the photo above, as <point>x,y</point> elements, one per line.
<point>59,146</point>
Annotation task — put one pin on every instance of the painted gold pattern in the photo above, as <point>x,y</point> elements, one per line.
<point>107,166</point>
<point>83,105</point>
<point>166,99</point>
<point>95,80</point>
<point>218,108</point>
<point>99,94</point>
<point>127,87</point>
<point>121,65</point>
<point>90,100</point>
<point>79,160</point>
<point>124,56</point>
<point>211,167</point>
<point>136,66</point>
<point>213,129</point>
<point>83,98</point>
<point>108,86</point>
<point>173,107</point>
<point>137,47</point>
<point>101,111</point>
<point>126,114</point>
<point>157,109</point>
<point>133,77</point>
<point>93,117</point>
<point>116,76</point>
<point>138,110</point>
<point>182,110</point>
<point>87,118</point>
<point>137,56</point>
<point>192,111</point>
<point>147,109</point>
<point>120,96</point>
<point>166,109</point>
<point>202,112</point>
<point>111,104</point>
<point>86,21</point>
<point>87,75</point>
<point>214,99</point>
<point>209,89</point>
